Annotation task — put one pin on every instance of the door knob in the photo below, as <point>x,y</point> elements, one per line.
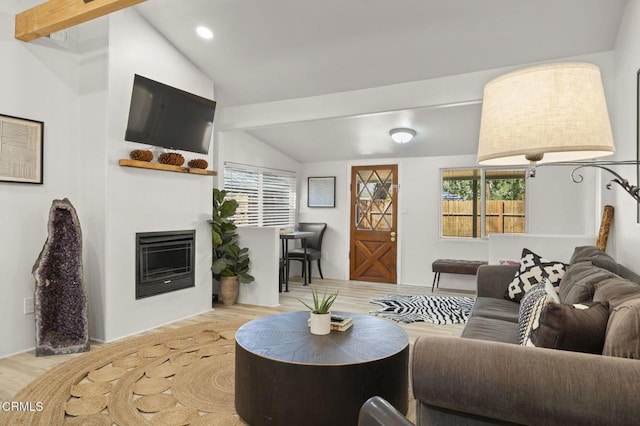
<point>393,236</point>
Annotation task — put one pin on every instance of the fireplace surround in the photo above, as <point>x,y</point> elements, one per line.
<point>165,262</point>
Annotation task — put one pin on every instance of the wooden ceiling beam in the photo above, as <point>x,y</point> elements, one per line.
<point>56,15</point>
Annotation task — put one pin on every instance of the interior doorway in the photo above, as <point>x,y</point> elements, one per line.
<point>373,225</point>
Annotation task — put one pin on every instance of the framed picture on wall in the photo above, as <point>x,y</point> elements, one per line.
<point>21,145</point>
<point>321,191</point>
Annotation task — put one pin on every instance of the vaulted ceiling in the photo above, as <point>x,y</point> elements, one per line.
<point>266,50</point>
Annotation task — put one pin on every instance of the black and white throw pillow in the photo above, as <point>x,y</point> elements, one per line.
<point>531,306</point>
<point>533,269</point>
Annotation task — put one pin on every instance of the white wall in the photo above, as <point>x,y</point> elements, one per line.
<point>419,229</point>
<point>553,247</point>
<point>264,251</point>
<point>37,83</point>
<point>556,205</point>
<point>92,165</point>
<point>82,94</point>
<point>334,245</point>
<point>139,200</point>
<point>626,232</point>
<point>242,148</point>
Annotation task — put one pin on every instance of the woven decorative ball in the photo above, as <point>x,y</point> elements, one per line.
<point>198,164</point>
<point>172,158</point>
<point>141,155</point>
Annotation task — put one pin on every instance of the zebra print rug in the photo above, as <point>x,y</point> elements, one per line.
<point>431,309</point>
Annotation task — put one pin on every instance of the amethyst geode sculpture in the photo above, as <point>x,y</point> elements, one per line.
<point>60,299</point>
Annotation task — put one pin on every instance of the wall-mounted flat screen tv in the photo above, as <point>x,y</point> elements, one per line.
<point>168,117</point>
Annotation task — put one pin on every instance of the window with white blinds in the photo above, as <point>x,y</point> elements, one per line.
<point>265,197</point>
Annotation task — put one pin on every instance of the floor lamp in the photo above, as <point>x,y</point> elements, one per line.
<point>551,114</point>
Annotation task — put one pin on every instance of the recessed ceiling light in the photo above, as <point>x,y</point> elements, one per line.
<point>204,32</point>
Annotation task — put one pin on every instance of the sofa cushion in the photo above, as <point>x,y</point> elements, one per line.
<point>575,328</point>
<point>623,331</point>
<point>490,307</point>
<point>491,329</point>
<point>536,298</point>
<point>615,291</point>
<point>605,261</point>
<point>580,282</point>
<point>596,256</point>
<point>533,269</point>
<point>628,274</point>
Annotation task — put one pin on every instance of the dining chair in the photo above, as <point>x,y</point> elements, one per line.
<point>314,247</point>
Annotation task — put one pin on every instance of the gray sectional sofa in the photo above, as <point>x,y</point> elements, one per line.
<point>487,377</point>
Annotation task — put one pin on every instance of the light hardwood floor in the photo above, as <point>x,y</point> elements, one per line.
<point>18,370</point>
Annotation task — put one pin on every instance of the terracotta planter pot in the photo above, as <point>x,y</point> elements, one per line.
<point>320,324</point>
<point>229,290</point>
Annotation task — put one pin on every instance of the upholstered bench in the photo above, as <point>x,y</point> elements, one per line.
<point>454,266</point>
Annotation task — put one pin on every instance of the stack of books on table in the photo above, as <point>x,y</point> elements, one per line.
<point>341,323</point>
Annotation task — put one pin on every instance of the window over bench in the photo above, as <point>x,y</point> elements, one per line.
<point>478,202</point>
<point>266,197</point>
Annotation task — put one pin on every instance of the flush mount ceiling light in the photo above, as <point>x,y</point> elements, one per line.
<point>204,32</point>
<point>402,135</point>
<point>551,114</point>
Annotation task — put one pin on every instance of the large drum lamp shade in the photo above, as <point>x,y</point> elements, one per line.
<point>546,113</point>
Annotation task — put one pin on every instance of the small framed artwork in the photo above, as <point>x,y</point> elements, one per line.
<point>21,145</point>
<point>321,191</point>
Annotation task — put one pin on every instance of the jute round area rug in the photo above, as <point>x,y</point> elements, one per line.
<point>183,376</point>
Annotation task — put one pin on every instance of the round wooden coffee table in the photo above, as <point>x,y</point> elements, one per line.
<point>284,375</point>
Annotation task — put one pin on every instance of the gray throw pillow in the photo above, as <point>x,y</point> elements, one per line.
<point>623,331</point>
<point>575,328</point>
<point>581,281</point>
<point>596,256</point>
<point>615,291</point>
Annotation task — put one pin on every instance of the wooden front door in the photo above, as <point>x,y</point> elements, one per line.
<point>373,247</point>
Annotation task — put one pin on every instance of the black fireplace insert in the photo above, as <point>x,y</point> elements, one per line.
<point>165,261</point>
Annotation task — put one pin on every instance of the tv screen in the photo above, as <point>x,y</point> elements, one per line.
<point>164,116</point>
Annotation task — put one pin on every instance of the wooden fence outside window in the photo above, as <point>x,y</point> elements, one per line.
<point>502,217</point>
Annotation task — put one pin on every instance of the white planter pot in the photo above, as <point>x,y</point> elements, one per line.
<point>320,324</point>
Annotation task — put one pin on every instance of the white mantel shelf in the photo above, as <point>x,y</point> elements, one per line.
<point>165,167</point>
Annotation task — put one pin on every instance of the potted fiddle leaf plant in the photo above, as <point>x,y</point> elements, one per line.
<point>230,261</point>
<point>320,316</point>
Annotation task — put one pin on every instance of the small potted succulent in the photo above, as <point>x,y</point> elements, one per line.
<point>320,316</point>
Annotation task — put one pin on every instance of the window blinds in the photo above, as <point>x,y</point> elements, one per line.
<point>265,197</point>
